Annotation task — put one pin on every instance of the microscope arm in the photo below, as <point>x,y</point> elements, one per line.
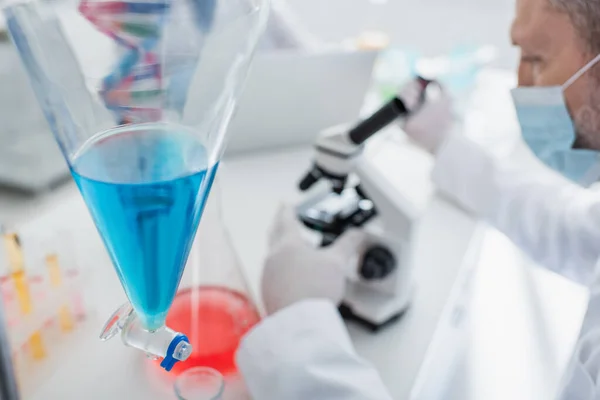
<point>337,147</point>
<point>382,289</point>
<point>394,209</point>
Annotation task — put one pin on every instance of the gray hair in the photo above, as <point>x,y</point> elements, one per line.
<point>585,15</point>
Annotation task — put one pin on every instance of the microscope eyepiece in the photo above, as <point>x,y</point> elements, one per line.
<point>376,122</point>
<point>393,109</point>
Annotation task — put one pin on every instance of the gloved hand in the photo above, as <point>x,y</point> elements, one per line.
<point>432,119</point>
<point>296,270</point>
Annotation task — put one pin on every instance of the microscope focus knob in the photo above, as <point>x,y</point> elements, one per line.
<point>378,262</point>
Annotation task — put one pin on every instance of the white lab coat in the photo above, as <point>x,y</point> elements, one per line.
<point>304,352</point>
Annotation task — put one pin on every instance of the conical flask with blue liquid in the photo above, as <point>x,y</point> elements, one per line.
<point>138,95</point>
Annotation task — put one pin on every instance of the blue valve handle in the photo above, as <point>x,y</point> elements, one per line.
<point>169,361</point>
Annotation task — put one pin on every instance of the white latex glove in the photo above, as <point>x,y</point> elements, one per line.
<point>431,122</point>
<point>296,270</point>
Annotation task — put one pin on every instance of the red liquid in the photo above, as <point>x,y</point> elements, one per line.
<point>222,317</point>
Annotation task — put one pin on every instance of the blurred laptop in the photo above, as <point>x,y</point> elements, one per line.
<point>290,96</point>
<point>29,157</point>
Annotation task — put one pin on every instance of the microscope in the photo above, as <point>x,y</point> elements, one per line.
<point>358,196</point>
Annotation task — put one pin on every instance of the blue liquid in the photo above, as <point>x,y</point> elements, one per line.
<point>146,188</point>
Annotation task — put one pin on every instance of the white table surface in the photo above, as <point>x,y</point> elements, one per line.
<point>253,186</point>
<point>447,243</point>
<point>98,370</point>
<point>95,370</point>
<point>396,352</point>
<point>508,332</point>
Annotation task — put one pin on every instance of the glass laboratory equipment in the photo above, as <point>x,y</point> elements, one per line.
<point>138,95</point>
<point>37,299</point>
<point>29,158</point>
<point>199,383</point>
<point>214,305</point>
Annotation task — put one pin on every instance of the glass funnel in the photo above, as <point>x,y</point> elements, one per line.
<point>138,95</point>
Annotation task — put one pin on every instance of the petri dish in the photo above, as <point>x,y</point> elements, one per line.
<point>199,383</point>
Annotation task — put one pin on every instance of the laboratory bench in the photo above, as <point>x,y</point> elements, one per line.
<point>482,321</point>
<point>99,370</point>
<point>460,266</point>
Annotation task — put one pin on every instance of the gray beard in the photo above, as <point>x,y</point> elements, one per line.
<point>587,135</point>
<point>587,124</point>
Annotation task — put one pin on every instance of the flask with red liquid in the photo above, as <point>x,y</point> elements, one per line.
<point>213,305</point>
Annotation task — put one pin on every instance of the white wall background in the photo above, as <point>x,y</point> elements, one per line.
<point>430,26</point>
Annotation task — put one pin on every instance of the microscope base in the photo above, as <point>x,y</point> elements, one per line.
<point>371,309</point>
<point>347,313</point>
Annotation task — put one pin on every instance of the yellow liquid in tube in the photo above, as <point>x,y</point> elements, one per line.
<point>17,271</point>
<point>22,290</point>
<point>64,315</point>
<point>38,350</point>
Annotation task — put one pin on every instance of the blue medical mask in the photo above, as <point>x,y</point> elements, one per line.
<point>548,130</point>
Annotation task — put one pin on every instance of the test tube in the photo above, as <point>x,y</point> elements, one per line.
<point>17,272</point>
<point>16,264</point>
<point>71,273</point>
<point>9,299</point>
<point>38,350</point>
<point>64,314</point>
<point>77,302</point>
<point>38,288</point>
<point>52,331</point>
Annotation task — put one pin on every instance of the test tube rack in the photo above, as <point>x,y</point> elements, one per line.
<point>43,311</point>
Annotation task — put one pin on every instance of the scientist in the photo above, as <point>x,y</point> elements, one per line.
<point>303,351</point>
